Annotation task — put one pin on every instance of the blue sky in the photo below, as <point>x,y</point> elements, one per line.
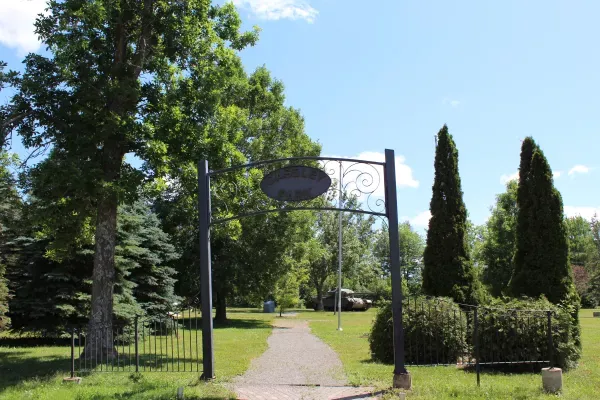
<point>388,74</point>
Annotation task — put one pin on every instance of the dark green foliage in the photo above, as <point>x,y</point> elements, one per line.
<point>145,251</point>
<point>434,330</point>
<point>448,270</point>
<point>541,263</point>
<point>10,213</point>
<point>48,295</point>
<point>499,245</point>
<point>52,293</point>
<point>508,335</point>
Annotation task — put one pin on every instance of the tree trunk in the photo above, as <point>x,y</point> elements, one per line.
<point>99,342</point>
<point>221,312</point>
<point>320,299</point>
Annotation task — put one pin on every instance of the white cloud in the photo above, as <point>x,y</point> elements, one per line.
<point>404,177</point>
<point>452,102</point>
<point>585,212</point>
<point>507,178</point>
<point>367,180</point>
<point>279,9</point>
<point>579,169</point>
<point>557,174</point>
<point>419,220</point>
<point>16,24</point>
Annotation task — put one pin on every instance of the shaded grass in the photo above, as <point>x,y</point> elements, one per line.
<point>449,382</point>
<point>37,372</point>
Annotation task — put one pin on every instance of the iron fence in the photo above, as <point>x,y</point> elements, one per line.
<point>436,333</point>
<point>145,344</point>
<point>439,332</point>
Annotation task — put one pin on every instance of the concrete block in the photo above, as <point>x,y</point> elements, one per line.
<point>552,379</point>
<point>75,379</point>
<point>403,381</point>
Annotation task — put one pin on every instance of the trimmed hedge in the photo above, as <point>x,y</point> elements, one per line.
<point>508,335</point>
<point>438,331</point>
<point>434,332</point>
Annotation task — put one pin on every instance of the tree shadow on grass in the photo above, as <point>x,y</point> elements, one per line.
<point>238,323</point>
<point>241,324</point>
<point>18,366</point>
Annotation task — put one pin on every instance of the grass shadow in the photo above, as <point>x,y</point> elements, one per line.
<point>241,324</point>
<point>18,366</point>
<point>31,341</point>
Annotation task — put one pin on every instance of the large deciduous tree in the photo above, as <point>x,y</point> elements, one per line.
<point>582,249</point>
<point>251,123</point>
<point>499,244</point>
<point>411,245</point>
<point>541,263</point>
<point>111,61</point>
<point>448,269</point>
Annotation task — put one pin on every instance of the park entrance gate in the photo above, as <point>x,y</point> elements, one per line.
<point>298,183</point>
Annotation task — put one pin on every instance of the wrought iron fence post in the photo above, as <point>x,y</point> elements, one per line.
<point>476,343</point>
<point>72,352</point>
<point>550,342</point>
<point>137,352</point>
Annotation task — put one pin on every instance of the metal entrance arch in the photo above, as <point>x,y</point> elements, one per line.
<point>359,177</point>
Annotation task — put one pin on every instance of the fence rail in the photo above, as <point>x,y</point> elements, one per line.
<point>165,344</point>
<point>437,332</point>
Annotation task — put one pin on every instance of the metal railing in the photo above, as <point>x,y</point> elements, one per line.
<point>439,332</point>
<point>158,344</point>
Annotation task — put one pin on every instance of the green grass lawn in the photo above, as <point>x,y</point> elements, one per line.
<point>37,372</point>
<point>449,382</point>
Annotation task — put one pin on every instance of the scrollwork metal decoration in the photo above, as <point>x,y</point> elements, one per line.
<point>236,191</point>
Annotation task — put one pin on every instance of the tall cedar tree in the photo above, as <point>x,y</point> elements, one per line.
<point>448,268</point>
<point>541,263</point>
<point>111,63</point>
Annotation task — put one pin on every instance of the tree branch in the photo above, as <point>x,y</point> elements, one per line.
<point>143,47</point>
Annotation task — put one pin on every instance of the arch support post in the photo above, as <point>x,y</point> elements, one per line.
<point>402,378</point>
<point>208,355</point>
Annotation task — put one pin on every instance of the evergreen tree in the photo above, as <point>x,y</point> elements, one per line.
<point>541,263</point>
<point>10,204</point>
<point>500,241</point>
<point>448,268</point>
<point>52,285</point>
<point>145,250</point>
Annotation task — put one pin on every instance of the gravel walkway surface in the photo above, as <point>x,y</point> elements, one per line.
<point>297,365</point>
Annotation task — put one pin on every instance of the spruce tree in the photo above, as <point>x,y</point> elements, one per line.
<point>448,269</point>
<point>541,263</point>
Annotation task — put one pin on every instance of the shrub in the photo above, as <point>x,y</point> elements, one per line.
<point>438,331</point>
<point>508,335</point>
<point>434,332</point>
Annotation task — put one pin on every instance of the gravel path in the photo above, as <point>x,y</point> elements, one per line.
<point>297,365</point>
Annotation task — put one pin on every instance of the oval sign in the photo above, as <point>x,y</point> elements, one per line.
<point>295,183</point>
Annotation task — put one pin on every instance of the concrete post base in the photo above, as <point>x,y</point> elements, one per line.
<point>75,379</point>
<point>403,381</point>
<point>552,379</point>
